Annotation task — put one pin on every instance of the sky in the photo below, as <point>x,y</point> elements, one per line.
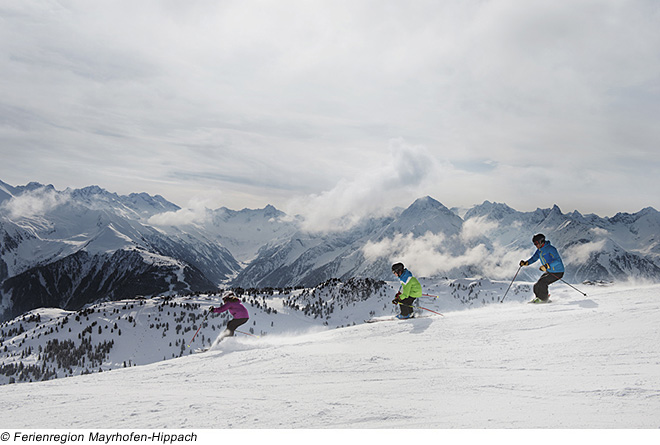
<point>335,109</point>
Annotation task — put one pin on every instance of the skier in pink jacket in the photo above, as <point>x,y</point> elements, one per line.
<point>232,304</point>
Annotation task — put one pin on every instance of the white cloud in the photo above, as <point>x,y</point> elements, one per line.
<point>428,255</point>
<point>34,203</point>
<point>181,217</point>
<point>476,227</point>
<point>197,212</point>
<point>399,173</point>
<point>580,253</point>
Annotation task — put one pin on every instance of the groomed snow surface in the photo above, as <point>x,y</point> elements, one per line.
<point>579,362</point>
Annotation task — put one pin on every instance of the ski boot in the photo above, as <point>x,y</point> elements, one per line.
<point>539,301</point>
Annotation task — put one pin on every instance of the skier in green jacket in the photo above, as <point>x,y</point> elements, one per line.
<point>410,290</point>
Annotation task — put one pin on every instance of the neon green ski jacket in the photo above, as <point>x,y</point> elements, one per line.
<point>410,286</point>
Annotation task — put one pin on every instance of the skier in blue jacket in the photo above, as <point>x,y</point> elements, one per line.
<point>551,264</point>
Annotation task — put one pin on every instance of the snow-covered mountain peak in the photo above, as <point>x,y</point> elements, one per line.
<point>6,192</point>
<point>246,231</point>
<point>575,215</point>
<point>140,205</point>
<point>492,210</point>
<point>246,214</point>
<point>92,190</point>
<point>647,213</point>
<point>426,204</point>
<point>427,215</point>
<point>32,186</point>
<point>147,205</point>
<point>272,212</point>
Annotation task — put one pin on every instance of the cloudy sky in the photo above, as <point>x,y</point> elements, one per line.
<point>336,108</point>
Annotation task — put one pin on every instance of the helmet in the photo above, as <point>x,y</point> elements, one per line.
<point>538,238</point>
<point>397,268</point>
<point>228,295</point>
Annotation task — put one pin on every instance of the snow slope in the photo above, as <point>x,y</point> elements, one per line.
<point>576,363</point>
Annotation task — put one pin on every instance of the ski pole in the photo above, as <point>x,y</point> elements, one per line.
<point>431,311</point>
<point>247,333</point>
<point>407,305</point>
<point>200,327</point>
<point>567,283</point>
<point>514,279</point>
<point>432,296</point>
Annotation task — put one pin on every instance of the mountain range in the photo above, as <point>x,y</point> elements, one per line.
<point>71,248</point>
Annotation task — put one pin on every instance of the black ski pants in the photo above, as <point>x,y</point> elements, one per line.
<point>541,286</point>
<point>406,306</point>
<point>234,324</point>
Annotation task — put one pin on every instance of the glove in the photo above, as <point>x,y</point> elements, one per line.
<point>544,267</point>
<point>523,263</point>
<point>211,309</point>
<point>395,301</point>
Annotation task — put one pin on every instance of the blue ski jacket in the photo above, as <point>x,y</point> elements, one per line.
<point>548,255</point>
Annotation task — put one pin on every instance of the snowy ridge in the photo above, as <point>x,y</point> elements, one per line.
<point>576,363</point>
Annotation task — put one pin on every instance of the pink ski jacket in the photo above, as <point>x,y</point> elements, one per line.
<point>235,308</point>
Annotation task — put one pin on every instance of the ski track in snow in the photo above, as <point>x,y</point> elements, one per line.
<point>576,363</point>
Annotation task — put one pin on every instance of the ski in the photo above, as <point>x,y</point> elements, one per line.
<point>537,301</point>
<point>376,320</point>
